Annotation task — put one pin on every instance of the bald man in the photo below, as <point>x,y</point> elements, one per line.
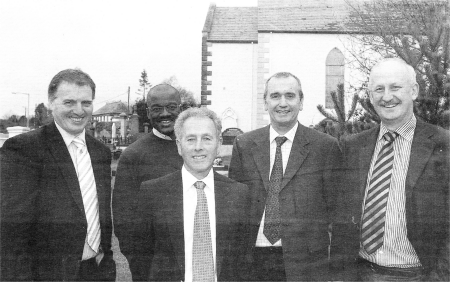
<point>394,205</point>
<point>150,157</point>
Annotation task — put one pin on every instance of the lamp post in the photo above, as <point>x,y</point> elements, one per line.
<point>28,119</point>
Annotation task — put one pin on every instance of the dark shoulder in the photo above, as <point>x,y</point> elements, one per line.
<point>356,138</point>
<point>161,181</point>
<point>437,133</point>
<point>26,142</point>
<point>98,145</point>
<point>148,143</point>
<point>230,182</point>
<point>315,136</point>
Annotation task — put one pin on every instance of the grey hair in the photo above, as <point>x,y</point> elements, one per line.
<point>196,112</point>
<point>411,74</point>
<point>283,75</point>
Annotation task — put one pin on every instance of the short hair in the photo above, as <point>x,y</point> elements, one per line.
<point>283,75</point>
<point>73,76</point>
<point>411,74</point>
<point>197,112</point>
<point>158,86</point>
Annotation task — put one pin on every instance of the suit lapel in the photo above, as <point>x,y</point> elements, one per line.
<point>365,157</point>
<point>298,154</point>
<point>261,156</point>
<point>222,210</point>
<point>173,204</point>
<point>63,160</point>
<point>421,149</point>
<point>95,155</point>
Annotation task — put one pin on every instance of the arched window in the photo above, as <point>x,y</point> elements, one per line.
<point>334,74</point>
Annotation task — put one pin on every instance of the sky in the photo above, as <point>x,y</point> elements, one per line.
<point>112,41</point>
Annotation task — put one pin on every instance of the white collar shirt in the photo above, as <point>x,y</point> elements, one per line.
<point>72,148</point>
<point>189,206</point>
<point>261,240</point>
<point>160,135</point>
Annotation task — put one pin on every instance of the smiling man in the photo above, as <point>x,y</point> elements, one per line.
<point>152,156</point>
<point>191,225</point>
<point>394,208</point>
<point>289,170</point>
<point>56,192</point>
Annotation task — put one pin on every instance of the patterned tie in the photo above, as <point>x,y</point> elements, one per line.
<point>272,221</point>
<point>372,230</point>
<point>202,252</point>
<point>89,193</point>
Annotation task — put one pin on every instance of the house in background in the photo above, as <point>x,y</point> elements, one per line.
<point>110,111</point>
<point>243,46</point>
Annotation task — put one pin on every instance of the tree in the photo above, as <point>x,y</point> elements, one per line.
<point>144,83</point>
<point>339,123</point>
<point>187,96</point>
<point>416,31</point>
<point>141,110</point>
<point>42,115</point>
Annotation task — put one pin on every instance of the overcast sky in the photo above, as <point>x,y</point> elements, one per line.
<point>113,41</point>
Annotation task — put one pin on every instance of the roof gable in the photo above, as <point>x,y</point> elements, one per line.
<point>113,108</point>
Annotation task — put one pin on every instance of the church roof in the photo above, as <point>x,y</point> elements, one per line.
<point>112,108</point>
<point>242,24</point>
<point>234,24</point>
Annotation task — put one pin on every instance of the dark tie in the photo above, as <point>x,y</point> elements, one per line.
<point>272,222</point>
<point>372,231</point>
<point>202,252</point>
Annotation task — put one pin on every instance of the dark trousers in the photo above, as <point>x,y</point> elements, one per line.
<point>88,271</point>
<point>368,271</point>
<point>268,264</point>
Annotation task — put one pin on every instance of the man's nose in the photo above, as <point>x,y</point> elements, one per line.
<point>283,101</point>
<point>387,95</point>
<point>78,109</point>
<point>198,145</point>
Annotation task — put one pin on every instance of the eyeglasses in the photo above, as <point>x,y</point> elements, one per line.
<point>159,109</point>
<point>170,108</point>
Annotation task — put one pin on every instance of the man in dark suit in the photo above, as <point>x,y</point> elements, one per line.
<point>288,168</point>
<point>191,225</point>
<point>152,156</point>
<point>55,193</point>
<point>408,240</point>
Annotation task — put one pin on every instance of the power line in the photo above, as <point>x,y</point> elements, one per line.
<point>96,103</point>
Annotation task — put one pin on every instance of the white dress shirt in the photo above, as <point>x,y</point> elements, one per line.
<point>397,250</point>
<point>261,240</point>
<point>88,252</point>
<point>189,205</point>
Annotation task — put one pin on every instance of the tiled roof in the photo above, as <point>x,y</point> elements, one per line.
<point>112,108</point>
<point>302,19</point>
<point>234,24</point>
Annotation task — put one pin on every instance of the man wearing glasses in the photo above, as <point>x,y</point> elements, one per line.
<point>150,157</point>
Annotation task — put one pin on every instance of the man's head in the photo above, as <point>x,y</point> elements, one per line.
<point>70,96</point>
<point>392,91</point>
<point>283,99</point>
<point>163,103</point>
<point>198,139</point>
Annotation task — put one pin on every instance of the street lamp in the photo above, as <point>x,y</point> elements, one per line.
<point>28,119</point>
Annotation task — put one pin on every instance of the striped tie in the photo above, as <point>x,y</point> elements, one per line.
<point>372,230</point>
<point>202,252</point>
<point>89,193</point>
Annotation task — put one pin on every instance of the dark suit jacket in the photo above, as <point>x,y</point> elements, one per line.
<point>306,198</point>
<point>43,223</point>
<point>427,202</point>
<point>158,237</point>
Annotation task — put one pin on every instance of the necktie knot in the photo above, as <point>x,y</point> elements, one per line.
<point>390,136</point>
<point>280,140</point>
<point>199,185</point>
<point>77,141</point>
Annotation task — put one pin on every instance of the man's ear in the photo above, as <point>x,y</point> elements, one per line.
<point>415,91</point>
<point>179,147</point>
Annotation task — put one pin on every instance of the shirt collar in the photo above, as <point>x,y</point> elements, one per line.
<point>406,130</point>
<point>67,137</point>
<point>190,180</point>
<point>289,135</point>
<point>160,135</point>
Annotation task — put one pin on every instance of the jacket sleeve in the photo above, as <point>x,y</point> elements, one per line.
<point>20,176</point>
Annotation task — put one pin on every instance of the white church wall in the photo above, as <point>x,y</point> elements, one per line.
<point>304,55</point>
<point>233,81</point>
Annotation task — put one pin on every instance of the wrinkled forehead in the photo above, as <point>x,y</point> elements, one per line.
<point>164,95</point>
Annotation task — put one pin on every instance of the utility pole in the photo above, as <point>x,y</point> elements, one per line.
<point>128,99</point>
<point>27,117</point>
